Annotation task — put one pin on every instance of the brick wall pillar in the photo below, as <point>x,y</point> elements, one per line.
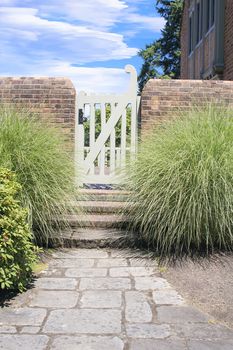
<point>161,97</point>
<point>52,98</point>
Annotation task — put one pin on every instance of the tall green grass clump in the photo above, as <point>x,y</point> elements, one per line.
<point>36,152</point>
<point>182,184</point>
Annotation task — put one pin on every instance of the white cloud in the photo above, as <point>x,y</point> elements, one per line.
<point>98,80</point>
<point>76,41</point>
<point>58,37</point>
<point>146,22</point>
<point>101,14</point>
<point>102,80</point>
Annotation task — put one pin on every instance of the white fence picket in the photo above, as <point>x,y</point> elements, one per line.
<point>102,154</point>
<point>123,138</point>
<point>92,134</point>
<point>112,144</point>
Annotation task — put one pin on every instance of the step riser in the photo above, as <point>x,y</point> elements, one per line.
<point>95,207</point>
<point>104,198</point>
<point>103,195</point>
<point>90,238</point>
<point>103,224</point>
<point>94,210</point>
<point>98,210</point>
<point>86,244</point>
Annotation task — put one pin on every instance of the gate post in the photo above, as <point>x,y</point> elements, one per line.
<point>133,98</point>
<point>79,140</point>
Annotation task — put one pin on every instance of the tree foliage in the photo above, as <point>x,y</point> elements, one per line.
<point>162,57</point>
<point>98,126</point>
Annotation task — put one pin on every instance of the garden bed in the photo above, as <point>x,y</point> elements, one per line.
<point>207,284</point>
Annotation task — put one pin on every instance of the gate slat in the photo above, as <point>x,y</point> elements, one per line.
<point>92,134</point>
<point>123,138</point>
<point>133,128</point>
<point>118,158</point>
<point>112,145</point>
<point>102,155</point>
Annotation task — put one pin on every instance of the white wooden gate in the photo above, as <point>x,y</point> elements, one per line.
<point>106,134</point>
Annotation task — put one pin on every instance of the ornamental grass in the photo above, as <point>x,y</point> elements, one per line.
<point>36,152</point>
<point>182,184</point>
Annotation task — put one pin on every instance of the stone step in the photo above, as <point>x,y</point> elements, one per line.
<point>103,195</point>
<point>96,220</point>
<point>101,207</point>
<point>92,238</point>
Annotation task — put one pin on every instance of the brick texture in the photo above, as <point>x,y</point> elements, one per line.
<point>184,42</point>
<point>201,61</point>
<point>228,42</point>
<point>53,98</point>
<point>162,97</point>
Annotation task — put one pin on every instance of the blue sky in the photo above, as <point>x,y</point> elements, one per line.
<point>89,41</point>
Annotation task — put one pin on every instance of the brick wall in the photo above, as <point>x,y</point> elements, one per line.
<point>184,42</point>
<point>161,97</point>
<point>53,98</point>
<point>228,43</point>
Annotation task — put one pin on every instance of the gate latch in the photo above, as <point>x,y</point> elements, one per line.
<point>80,116</point>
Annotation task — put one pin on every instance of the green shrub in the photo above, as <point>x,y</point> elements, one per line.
<point>182,184</point>
<point>17,253</point>
<point>36,152</point>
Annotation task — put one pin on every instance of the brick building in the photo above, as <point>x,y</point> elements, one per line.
<point>207,40</point>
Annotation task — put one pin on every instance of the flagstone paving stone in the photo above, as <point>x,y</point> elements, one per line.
<point>75,263</point>
<point>60,299</point>
<point>131,271</point>
<point>90,272</point>
<point>148,330</point>
<point>22,316</point>
<point>84,321</point>
<point>8,329</point>
<point>167,297</point>
<point>155,344</point>
<point>180,314</point>
<point>87,343</point>
<point>105,283</point>
<point>25,342</point>
<point>112,262</point>
<point>103,299</point>
<point>137,307</point>
<point>30,330</point>
<point>150,283</point>
<point>210,345</point>
<point>56,283</point>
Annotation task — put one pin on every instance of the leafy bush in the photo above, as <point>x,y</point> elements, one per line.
<point>17,253</point>
<point>36,152</point>
<point>182,183</point>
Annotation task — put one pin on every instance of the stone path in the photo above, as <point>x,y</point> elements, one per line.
<point>106,300</point>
